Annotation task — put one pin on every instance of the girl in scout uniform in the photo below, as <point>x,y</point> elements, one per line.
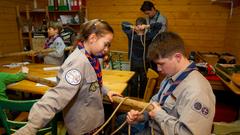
<point>79,90</point>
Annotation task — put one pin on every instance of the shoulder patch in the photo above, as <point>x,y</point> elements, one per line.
<point>73,77</point>
<point>94,86</point>
<point>200,108</point>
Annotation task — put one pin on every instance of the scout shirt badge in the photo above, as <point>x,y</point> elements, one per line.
<point>73,77</point>
<point>94,86</point>
<point>200,108</point>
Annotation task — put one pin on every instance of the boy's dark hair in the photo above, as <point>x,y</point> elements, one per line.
<point>55,25</point>
<point>146,6</point>
<point>140,21</point>
<point>165,45</point>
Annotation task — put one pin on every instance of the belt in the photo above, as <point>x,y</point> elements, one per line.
<point>93,131</point>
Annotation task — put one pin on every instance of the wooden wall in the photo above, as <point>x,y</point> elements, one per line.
<point>201,23</point>
<point>9,40</point>
<point>232,40</point>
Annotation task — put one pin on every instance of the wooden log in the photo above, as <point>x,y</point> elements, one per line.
<point>133,104</point>
<point>32,52</point>
<point>130,103</point>
<point>41,80</point>
<point>68,48</point>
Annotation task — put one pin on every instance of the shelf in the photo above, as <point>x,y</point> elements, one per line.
<point>38,19</point>
<point>71,24</point>
<point>44,11</point>
<point>25,38</point>
<point>72,11</point>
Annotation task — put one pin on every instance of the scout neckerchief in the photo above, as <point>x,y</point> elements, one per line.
<point>156,18</point>
<point>174,84</point>
<point>50,40</point>
<point>94,62</point>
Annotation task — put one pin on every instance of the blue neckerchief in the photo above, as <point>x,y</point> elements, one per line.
<point>50,40</point>
<point>174,84</point>
<point>155,17</point>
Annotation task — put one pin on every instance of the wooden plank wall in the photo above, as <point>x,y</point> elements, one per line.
<point>232,40</point>
<point>9,40</point>
<point>201,23</point>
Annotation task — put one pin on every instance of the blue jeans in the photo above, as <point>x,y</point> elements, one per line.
<point>138,86</point>
<point>135,128</point>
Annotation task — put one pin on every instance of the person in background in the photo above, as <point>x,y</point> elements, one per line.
<point>79,92</point>
<point>7,78</point>
<point>139,39</point>
<point>154,15</point>
<point>54,41</point>
<point>185,103</point>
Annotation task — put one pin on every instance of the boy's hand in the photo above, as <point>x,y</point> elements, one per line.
<point>156,109</point>
<point>133,116</point>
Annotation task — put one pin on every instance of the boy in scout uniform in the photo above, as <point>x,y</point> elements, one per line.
<point>79,91</point>
<point>185,103</point>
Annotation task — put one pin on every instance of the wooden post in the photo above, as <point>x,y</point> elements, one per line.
<point>19,23</point>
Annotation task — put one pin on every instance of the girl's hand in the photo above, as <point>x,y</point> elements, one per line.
<point>110,94</point>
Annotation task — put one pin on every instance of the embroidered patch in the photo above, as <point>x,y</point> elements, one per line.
<point>200,108</point>
<point>73,77</point>
<point>94,86</point>
<point>205,111</point>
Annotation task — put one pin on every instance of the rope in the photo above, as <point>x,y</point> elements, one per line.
<point>144,51</point>
<point>144,48</point>
<point>129,126</point>
<point>131,46</point>
<point>95,133</point>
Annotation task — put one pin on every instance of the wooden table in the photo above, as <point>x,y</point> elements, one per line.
<point>212,60</point>
<point>115,80</point>
<point>230,80</point>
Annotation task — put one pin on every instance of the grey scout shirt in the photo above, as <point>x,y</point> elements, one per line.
<point>188,110</point>
<point>77,94</point>
<point>160,19</point>
<point>56,57</point>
